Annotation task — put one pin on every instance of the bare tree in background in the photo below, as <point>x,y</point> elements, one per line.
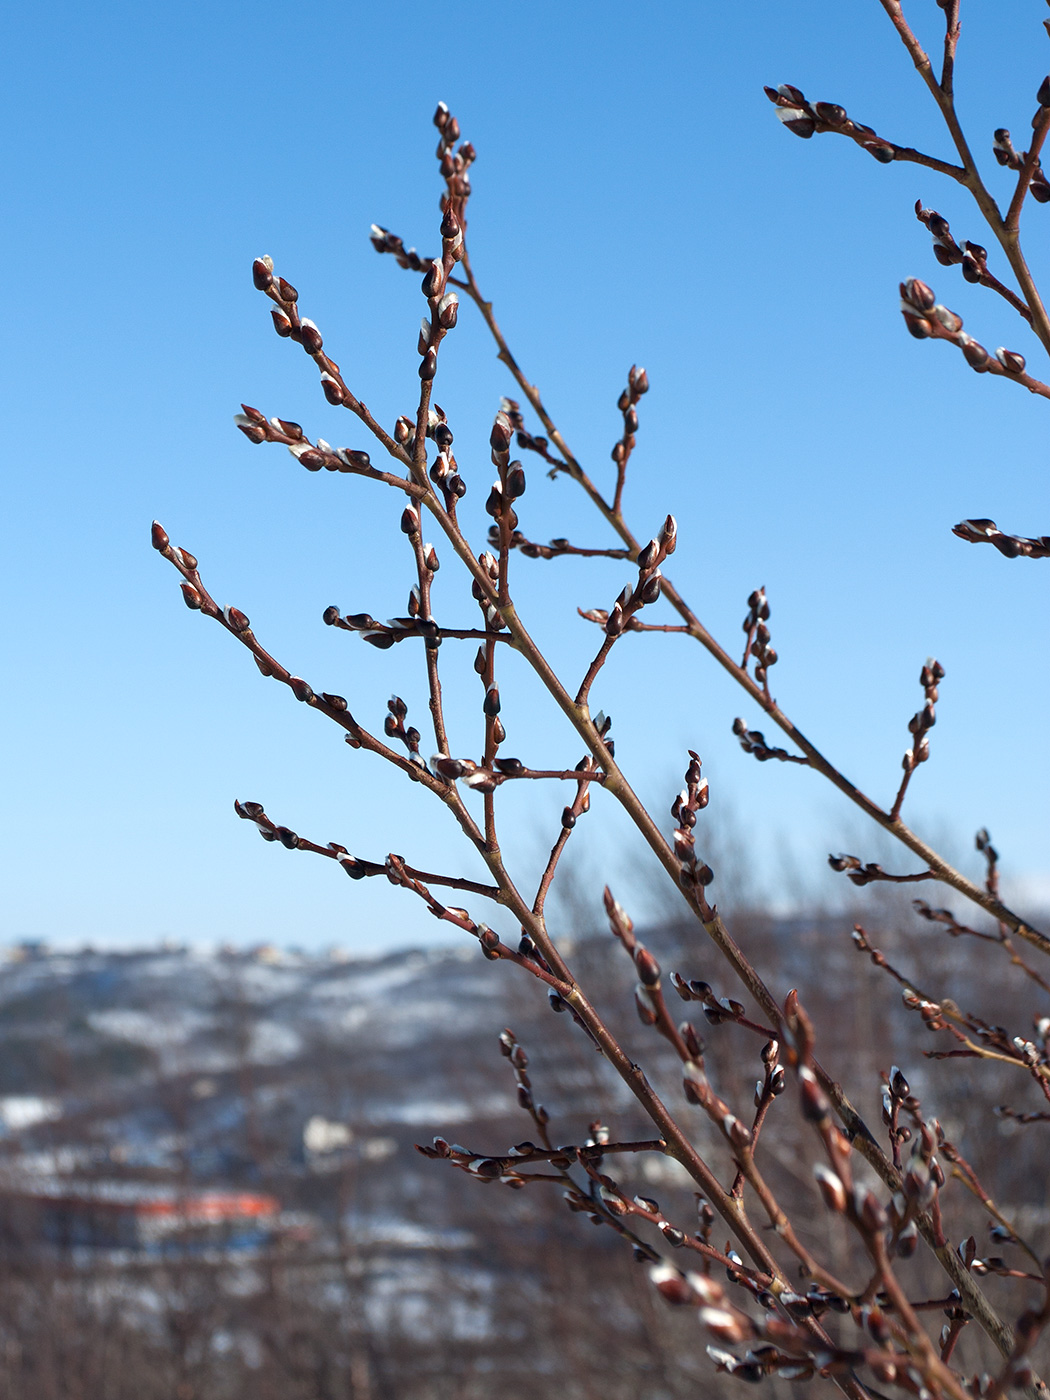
<point>856,1278</point>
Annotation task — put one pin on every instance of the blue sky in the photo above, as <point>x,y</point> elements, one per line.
<point>635,201</point>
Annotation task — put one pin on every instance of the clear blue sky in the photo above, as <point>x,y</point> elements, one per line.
<point>635,200</point>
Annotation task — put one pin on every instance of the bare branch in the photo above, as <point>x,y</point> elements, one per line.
<point>1012,546</point>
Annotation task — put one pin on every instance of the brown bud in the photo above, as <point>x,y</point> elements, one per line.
<point>670,1284</point>
<point>814,1104</point>
<point>236,619</point>
<point>644,1005</point>
<point>619,920</point>
<point>918,294</point>
<point>499,438</point>
<point>333,390</point>
<point>695,1083</point>
<point>728,1326</point>
<point>650,589</point>
<point>830,113</point>
<point>262,274</point>
<point>648,556</point>
<point>455,767</point>
<point>647,966</point>
<point>486,1167</point>
<point>428,365</point>
<point>883,152</point>
<point>907,1240</point>
<point>831,1188</point>
<point>691,1040</point>
<point>190,596</point>
<point>434,280</point>
<point>917,326</point>
<point>281,323</point>
<point>870,1213</point>
<point>310,337</point>
<point>158,536</point>
<point>797,122</point>
<point>448,311</point>
<point>738,1133</point>
<point>494,504</point>
<point>1010,360</point>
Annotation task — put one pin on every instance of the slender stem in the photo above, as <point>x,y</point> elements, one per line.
<point>635,626</point>
<point>426,877</point>
<point>782,1225</point>
<point>962,1171</point>
<point>1028,169</point>
<point>951,40</point>
<point>987,279</point>
<point>696,629</point>
<point>488,679</point>
<point>898,801</point>
<point>426,579</point>
<point>584,777</point>
<point>563,774</point>
<point>583,694</point>
<point>678,1144</point>
<point>1007,236</point>
<point>935,1368</point>
<point>973,1299</point>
